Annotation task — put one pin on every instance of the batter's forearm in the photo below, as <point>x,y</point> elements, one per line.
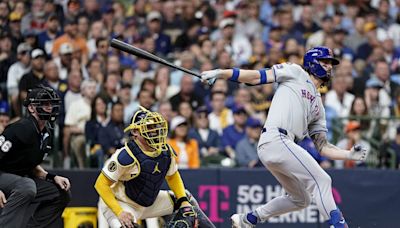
<point>327,149</point>
<point>334,153</point>
<point>248,76</point>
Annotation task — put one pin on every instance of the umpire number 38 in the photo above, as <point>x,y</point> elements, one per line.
<point>5,145</point>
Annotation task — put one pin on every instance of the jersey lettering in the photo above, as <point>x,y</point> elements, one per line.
<point>5,145</point>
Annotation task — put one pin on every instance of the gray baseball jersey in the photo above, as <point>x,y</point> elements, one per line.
<point>296,106</point>
<point>296,111</point>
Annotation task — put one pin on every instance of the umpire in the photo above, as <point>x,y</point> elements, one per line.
<point>29,195</point>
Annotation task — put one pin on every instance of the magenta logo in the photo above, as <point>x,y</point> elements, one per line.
<point>218,199</point>
<point>336,196</point>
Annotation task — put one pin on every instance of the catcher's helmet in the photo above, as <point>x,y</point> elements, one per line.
<point>152,126</point>
<point>41,96</point>
<point>312,65</point>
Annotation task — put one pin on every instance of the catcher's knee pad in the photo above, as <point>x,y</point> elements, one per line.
<point>337,219</point>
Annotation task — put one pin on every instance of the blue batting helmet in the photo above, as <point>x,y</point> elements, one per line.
<point>312,65</point>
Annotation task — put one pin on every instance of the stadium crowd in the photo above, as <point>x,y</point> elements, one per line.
<point>65,44</point>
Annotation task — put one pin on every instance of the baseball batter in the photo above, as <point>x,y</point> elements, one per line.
<point>296,111</point>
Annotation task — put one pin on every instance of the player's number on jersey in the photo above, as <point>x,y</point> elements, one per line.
<point>5,145</point>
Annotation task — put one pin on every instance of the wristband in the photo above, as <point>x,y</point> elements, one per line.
<point>180,201</point>
<point>263,76</point>
<point>50,177</point>
<point>235,75</point>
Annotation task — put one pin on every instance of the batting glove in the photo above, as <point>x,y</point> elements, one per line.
<point>358,153</point>
<point>210,76</point>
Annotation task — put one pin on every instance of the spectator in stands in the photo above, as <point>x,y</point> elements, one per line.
<point>34,20</point>
<point>186,94</point>
<point>164,90</point>
<point>124,96</point>
<point>242,98</point>
<point>317,38</point>
<point>33,77</point>
<point>377,107</point>
<point>163,42</point>
<point>220,116</point>
<point>4,121</point>
<point>83,26</point>
<point>110,89</point>
<point>359,112</point>
<point>165,109</point>
<point>76,117</point>
<point>96,70</point>
<point>186,110</point>
<point>64,60</point>
<point>98,120</point>
<point>47,37</point>
<point>97,31</point>
<point>187,61</point>
<point>74,88</point>
<point>246,148</point>
<point>146,99</point>
<point>338,98</point>
<point>233,133</point>
<point>71,36</point>
<point>208,140</point>
<point>187,149</point>
<point>382,73</point>
<point>353,137</point>
<point>7,58</point>
<point>111,137</point>
<point>15,73</point>
<point>391,152</point>
<point>102,52</point>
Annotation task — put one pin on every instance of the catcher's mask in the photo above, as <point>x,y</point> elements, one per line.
<point>42,96</point>
<point>152,127</point>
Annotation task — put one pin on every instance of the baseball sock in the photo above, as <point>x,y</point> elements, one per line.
<point>252,218</point>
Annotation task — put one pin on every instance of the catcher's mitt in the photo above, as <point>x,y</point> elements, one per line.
<point>185,217</point>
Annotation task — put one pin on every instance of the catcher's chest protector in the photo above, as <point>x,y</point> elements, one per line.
<point>145,187</point>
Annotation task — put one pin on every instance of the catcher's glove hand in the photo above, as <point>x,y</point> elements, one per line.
<point>185,217</point>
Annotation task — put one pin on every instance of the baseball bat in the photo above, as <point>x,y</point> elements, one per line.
<point>123,46</point>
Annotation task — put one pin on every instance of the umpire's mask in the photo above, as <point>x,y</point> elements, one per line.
<point>42,96</point>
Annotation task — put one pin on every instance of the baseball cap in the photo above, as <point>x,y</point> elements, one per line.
<point>374,83</point>
<point>37,53</point>
<point>340,30</point>
<point>14,17</point>
<point>202,109</point>
<point>70,21</point>
<point>369,26</point>
<point>66,48</point>
<point>238,109</point>
<point>23,47</point>
<point>176,121</point>
<point>326,17</point>
<point>352,125</point>
<point>253,123</point>
<point>226,22</point>
<point>153,15</point>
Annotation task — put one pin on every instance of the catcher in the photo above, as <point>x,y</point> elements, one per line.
<point>130,182</point>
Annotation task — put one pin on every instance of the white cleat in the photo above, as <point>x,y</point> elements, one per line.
<point>239,221</point>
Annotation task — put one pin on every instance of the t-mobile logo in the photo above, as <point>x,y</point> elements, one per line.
<point>215,203</point>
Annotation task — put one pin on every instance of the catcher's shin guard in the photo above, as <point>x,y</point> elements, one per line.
<point>337,219</point>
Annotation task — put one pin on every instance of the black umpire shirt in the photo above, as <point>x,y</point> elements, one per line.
<point>23,146</point>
